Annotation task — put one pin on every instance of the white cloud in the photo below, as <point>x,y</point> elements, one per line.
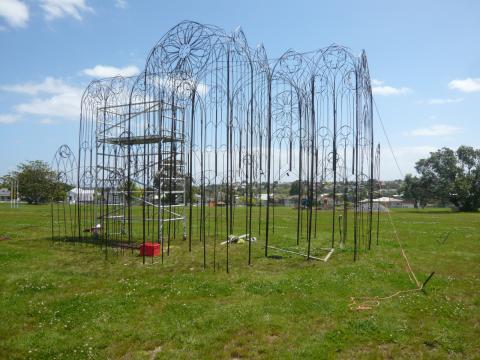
<point>441,101</point>
<point>378,88</point>
<point>51,97</point>
<point>406,156</point>
<point>390,90</point>
<point>436,130</point>
<point>415,150</point>
<point>62,8</point>
<point>8,119</point>
<point>15,12</point>
<point>49,86</point>
<point>466,85</point>
<point>65,105</point>
<point>47,121</point>
<point>101,71</point>
<point>121,4</point>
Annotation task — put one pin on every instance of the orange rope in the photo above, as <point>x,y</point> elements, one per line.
<point>367,303</point>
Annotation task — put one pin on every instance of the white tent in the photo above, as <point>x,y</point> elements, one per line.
<point>375,207</point>
<point>383,200</point>
<point>386,199</point>
<point>80,195</point>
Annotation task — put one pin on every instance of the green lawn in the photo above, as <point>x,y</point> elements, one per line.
<point>66,301</point>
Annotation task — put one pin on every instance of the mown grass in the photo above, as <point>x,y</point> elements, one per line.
<point>65,301</point>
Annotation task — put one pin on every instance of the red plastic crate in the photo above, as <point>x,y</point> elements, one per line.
<point>150,249</point>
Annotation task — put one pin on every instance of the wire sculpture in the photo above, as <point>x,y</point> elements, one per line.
<point>168,154</point>
<point>63,195</point>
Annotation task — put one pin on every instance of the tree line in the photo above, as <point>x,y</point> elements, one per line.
<point>37,183</point>
<point>447,177</point>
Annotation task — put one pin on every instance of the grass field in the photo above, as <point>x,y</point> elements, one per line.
<point>65,301</point>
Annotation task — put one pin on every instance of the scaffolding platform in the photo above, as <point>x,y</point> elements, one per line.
<point>140,140</point>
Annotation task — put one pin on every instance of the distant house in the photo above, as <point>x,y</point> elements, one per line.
<point>391,202</point>
<point>4,195</point>
<point>263,198</point>
<point>323,201</point>
<point>326,202</point>
<point>213,203</point>
<point>80,195</point>
<point>291,201</point>
<point>408,204</point>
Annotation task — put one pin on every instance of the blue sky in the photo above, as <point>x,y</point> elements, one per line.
<point>424,58</point>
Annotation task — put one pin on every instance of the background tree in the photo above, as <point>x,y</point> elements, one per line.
<point>294,188</point>
<point>416,190</point>
<point>6,181</point>
<point>58,191</point>
<point>449,176</point>
<point>37,183</point>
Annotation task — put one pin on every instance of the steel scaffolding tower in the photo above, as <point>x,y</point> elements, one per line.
<point>140,160</point>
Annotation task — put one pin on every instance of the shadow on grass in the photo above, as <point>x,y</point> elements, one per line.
<point>95,241</point>
<point>275,257</point>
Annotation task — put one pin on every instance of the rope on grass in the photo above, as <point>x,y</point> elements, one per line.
<point>368,303</point>
<point>410,270</point>
<point>407,262</point>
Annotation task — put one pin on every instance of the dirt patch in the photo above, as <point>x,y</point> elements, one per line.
<point>431,344</point>
<point>2,238</point>
<point>29,227</point>
<point>154,352</point>
<point>272,338</point>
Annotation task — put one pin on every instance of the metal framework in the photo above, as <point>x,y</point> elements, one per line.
<point>168,154</point>
<point>63,214</point>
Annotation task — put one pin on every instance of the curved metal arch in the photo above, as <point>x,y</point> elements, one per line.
<point>293,68</point>
<point>64,165</point>
<point>64,162</point>
<point>332,62</point>
<point>184,50</point>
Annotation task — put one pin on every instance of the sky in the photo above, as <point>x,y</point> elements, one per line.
<point>424,60</point>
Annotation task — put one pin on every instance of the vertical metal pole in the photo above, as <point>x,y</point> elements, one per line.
<point>300,150</point>
<point>251,169</point>
<point>334,162</point>
<point>378,204</point>
<point>190,166</point>
<point>312,163</point>
<point>370,122</point>
<point>355,222</point>
<point>269,160</point>
<point>227,203</point>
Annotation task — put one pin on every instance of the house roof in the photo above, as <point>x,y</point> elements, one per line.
<point>81,191</point>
